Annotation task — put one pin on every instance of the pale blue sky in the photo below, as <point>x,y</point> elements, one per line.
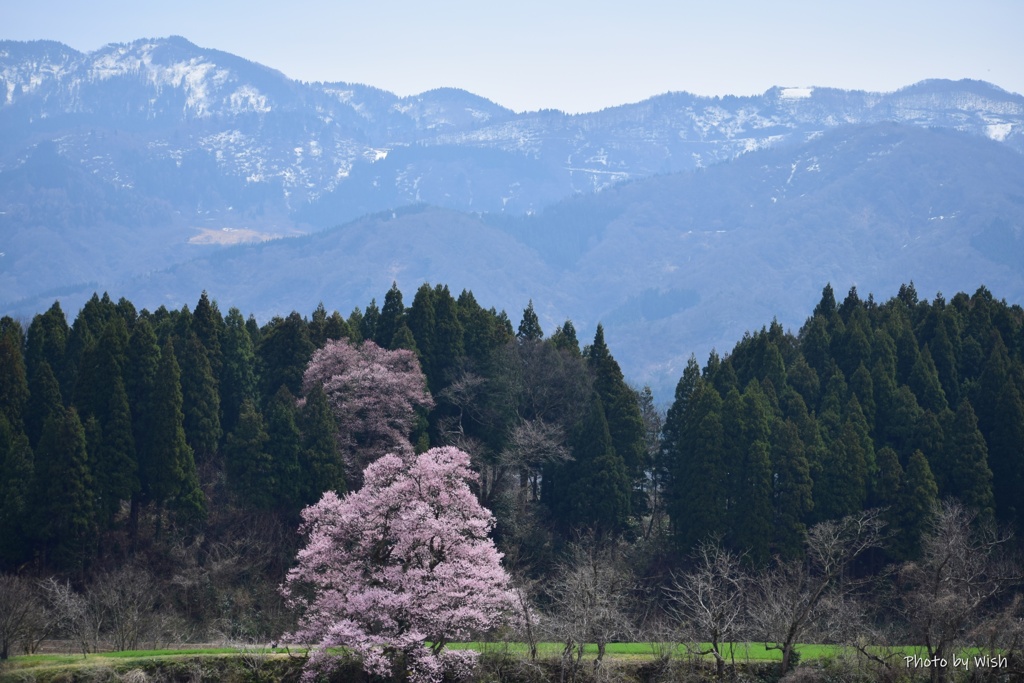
<point>572,55</point>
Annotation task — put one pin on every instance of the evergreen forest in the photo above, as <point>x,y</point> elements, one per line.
<point>171,452</point>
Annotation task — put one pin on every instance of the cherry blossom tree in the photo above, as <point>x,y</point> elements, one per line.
<point>402,564</point>
<point>374,394</point>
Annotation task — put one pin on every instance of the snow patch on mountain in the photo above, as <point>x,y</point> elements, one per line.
<point>998,131</point>
<point>796,93</point>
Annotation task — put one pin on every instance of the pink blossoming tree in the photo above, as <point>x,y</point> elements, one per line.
<point>402,563</point>
<point>374,394</point>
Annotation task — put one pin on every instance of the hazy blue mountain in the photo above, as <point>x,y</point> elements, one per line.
<point>679,221</point>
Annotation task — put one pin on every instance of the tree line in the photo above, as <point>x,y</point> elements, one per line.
<point>187,441</point>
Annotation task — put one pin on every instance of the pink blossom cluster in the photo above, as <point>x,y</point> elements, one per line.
<point>374,394</point>
<point>404,562</point>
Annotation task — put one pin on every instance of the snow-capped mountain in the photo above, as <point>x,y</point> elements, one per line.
<point>149,169</point>
<point>292,144</point>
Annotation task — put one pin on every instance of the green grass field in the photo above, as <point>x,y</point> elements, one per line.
<point>103,665</point>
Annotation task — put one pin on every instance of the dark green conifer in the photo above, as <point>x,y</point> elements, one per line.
<point>140,378</point>
<point>447,353</point>
<point>284,352</point>
<point>201,401</point>
<point>114,463</point>
<point>863,387</point>
<point>208,326</point>
<point>321,463</point>
<point>599,495</point>
<point>698,504</point>
<point>924,382</point>
<point>804,379</point>
<point>250,469</point>
<point>47,339</point>
<point>284,446</point>
<point>970,478</point>
<point>815,343</point>
<point>17,476</point>
<point>1006,456</point>
<point>916,509</point>
<point>564,338</point>
<point>355,325</point>
<point>745,424</point>
<point>620,403</point>
<point>529,326</point>
<point>368,325</point>
<point>391,318</point>
<point>421,320</point>
<point>64,513</point>
<point>167,470</point>
<point>792,491</point>
<point>841,487</point>
<point>336,328</point>
<point>404,339</point>
<point>80,339</point>
<point>13,375</point>
<point>238,379</point>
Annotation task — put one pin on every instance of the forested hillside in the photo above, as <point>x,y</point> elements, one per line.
<point>171,452</point>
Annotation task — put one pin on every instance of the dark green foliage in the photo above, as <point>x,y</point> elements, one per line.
<point>1006,456</point>
<point>746,459</point>
<point>841,487</point>
<point>592,491</point>
<point>114,461</point>
<point>17,470</point>
<point>64,512</point>
<point>355,325</point>
<point>447,353</point>
<point>140,387</point>
<point>792,491</point>
<point>284,445</point>
<point>80,338</point>
<point>391,318</point>
<point>322,466</point>
<point>698,494</point>
<point>167,470</point>
<point>208,326</point>
<point>969,479</point>
<point>368,323</point>
<point>13,376</point>
<point>323,327</point>
<point>564,338</point>
<point>238,378</point>
<point>866,378</point>
<point>283,352</point>
<point>529,326</point>
<point>916,506</point>
<point>44,400</point>
<point>250,469</point>
<point>420,320</point>
<point>47,339</point>
<point>924,382</point>
<point>621,407</point>
<point>404,339</point>
<point>200,400</point>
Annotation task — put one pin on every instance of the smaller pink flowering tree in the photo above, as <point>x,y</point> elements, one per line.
<point>403,563</point>
<point>374,394</point>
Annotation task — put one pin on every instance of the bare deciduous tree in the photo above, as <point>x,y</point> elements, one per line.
<point>709,601</point>
<point>590,600</point>
<point>953,588</point>
<point>17,606</point>
<point>72,615</point>
<point>125,599</point>
<point>790,596</point>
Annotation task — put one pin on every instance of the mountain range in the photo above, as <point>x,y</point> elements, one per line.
<point>158,169</point>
